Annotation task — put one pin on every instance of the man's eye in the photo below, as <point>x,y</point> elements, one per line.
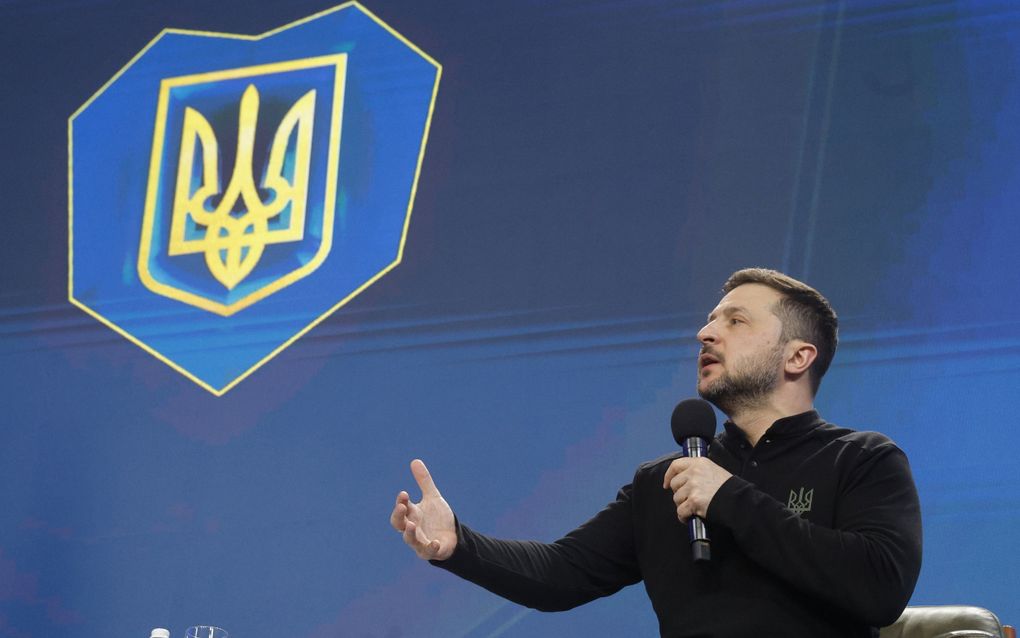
<point>734,321</point>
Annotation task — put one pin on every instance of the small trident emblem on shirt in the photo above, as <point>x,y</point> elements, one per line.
<point>800,502</point>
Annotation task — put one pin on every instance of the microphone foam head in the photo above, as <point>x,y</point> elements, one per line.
<point>693,418</point>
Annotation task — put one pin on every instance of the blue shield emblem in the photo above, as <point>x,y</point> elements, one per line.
<point>223,240</point>
<point>225,197</point>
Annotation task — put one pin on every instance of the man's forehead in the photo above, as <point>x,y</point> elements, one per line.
<point>752,298</point>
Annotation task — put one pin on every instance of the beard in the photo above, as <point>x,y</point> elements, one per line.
<point>748,385</point>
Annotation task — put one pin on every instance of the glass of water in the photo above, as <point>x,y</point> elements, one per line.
<point>206,631</point>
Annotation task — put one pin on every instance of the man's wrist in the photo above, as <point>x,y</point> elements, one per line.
<point>724,502</point>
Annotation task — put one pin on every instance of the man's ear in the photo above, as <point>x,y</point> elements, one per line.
<point>799,356</point>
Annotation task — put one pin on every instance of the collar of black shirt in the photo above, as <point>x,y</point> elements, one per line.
<point>786,427</point>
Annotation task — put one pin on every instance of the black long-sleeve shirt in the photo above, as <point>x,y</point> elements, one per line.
<point>817,534</point>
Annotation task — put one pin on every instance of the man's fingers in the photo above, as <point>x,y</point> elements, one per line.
<point>684,506</point>
<point>679,498</point>
<point>409,535</point>
<point>678,481</point>
<point>400,511</point>
<point>676,467</point>
<point>399,516</point>
<point>419,542</point>
<point>424,479</point>
<point>430,513</point>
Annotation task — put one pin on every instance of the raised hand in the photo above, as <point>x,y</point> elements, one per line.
<point>427,526</point>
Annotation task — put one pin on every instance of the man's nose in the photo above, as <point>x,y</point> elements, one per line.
<point>706,335</point>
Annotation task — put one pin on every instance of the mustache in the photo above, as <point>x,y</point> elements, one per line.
<point>710,351</point>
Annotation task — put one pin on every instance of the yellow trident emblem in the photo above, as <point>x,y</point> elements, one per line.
<point>233,244</point>
<point>193,214</point>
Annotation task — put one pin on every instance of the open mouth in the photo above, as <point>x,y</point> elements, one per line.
<point>706,360</point>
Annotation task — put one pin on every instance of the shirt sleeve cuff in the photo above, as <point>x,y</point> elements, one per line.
<point>725,505</point>
<point>461,558</point>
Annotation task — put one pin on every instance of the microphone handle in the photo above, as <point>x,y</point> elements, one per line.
<point>701,549</point>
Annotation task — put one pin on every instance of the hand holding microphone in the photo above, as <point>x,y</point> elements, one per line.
<point>693,478</point>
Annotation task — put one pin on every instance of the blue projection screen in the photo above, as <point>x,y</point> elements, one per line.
<point>558,191</point>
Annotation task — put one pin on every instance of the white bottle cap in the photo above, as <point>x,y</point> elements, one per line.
<point>159,632</point>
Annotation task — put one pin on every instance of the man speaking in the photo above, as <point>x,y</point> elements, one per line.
<point>815,529</point>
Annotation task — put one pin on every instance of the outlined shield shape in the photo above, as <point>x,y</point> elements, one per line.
<point>222,240</point>
<point>229,192</point>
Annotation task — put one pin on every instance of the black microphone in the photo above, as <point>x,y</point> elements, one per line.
<point>693,425</point>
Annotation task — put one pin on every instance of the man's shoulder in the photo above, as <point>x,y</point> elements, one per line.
<point>865,440</point>
<point>656,466</point>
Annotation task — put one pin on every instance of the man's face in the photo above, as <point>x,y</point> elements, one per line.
<point>741,358</point>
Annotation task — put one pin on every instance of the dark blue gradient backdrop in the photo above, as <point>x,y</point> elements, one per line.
<point>594,172</point>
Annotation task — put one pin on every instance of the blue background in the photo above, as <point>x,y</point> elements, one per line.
<point>595,170</point>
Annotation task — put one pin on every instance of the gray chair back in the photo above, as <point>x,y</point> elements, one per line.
<point>944,621</point>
